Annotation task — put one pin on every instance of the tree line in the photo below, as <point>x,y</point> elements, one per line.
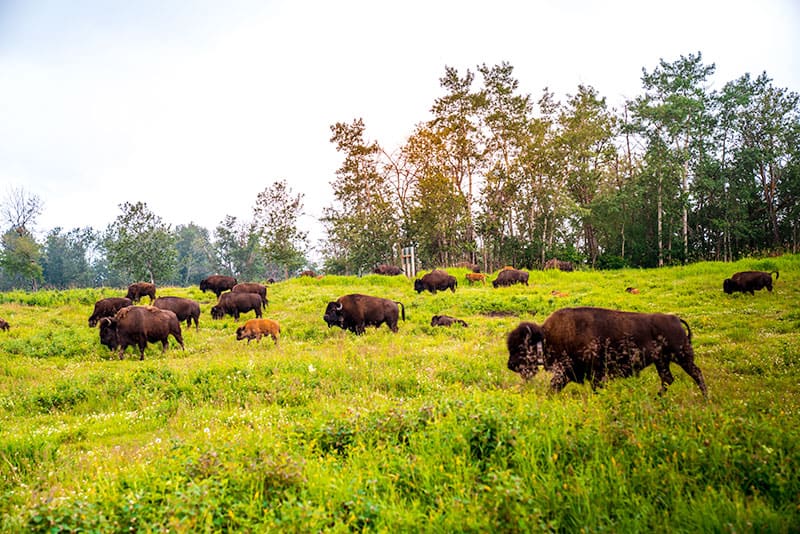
<point>679,173</point>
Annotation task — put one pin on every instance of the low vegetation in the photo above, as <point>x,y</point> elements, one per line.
<point>425,429</point>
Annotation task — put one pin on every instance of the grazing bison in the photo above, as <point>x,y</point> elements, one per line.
<point>252,287</point>
<point>446,320</point>
<point>309,273</point>
<point>107,308</point>
<point>632,290</point>
<point>576,344</point>
<point>388,270</point>
<point>140,289</point>
<point>256,328</point>
<point>555,263</point>
<point>4,325</point>
<point>749,282</point>
<point>508,277</point>
<point>355,312</point>
<point>235,304</point>
<point>217,283</point>
<point>476,277</point>
<point>436,280</point>
<point>138,326</point>
<point>185,309</point>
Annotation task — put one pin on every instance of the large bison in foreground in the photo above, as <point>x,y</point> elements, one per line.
<point>138,326</point>
<point>107,308</point>
<point>217,283</point>
<point>436,280</point>
<point>140,289</point>
<point>235,304</point>
<point>509,277</point>
<point>749,282</point>
<point>185,309</point>
<point>355,312</point>
<point>577,344</point>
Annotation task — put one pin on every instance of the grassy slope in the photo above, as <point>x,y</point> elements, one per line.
<point>424,429</point>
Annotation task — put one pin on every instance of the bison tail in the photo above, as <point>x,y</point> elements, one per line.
<point>689,330</point>
<point>776,274</point>
<point>402,309</point>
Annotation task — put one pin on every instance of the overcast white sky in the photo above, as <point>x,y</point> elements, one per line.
<point>195,106</point>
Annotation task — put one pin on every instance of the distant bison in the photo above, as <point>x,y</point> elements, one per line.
<point>140,289</point>
<point>749,282</point>
<point>355,312</point>
<point>252,287</point>
<point>256,328</point>
<point>107,308</point>
<point>138,326</point>
<point>308,272</point>
<point>446,320</point>
<point>577,344</point>
<point>235,304</point>
<point>436,280</point>
<point>508,277</point>
<point>4,325</point>
<point>476,277</point>
<point>632,290</point>
<point>555,263</point>
<point>388,270</point>
<point>217,283</point>
<point>185,309</point>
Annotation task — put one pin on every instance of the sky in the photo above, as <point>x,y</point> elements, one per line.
<point>196,106</point>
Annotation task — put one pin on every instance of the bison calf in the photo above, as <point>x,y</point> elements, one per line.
<point>576,344</point>
<point>476,277</point>
<point>446,320</point>
<point>256,328</point>
<point>749,282</point>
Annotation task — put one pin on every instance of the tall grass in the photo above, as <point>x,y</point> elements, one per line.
<point>425,429</point>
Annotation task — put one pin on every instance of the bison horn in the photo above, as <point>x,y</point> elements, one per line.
<point>339,307</point>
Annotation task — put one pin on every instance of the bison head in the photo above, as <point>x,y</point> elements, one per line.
<point>728,286</point>
<point>217,312</point>
<point>525,349</point>
<point>240,335</point>
<point>419,287</point>
<point>108,332</point>
<point>334,314</point>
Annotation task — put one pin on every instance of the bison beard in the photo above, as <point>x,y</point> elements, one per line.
<point>576,344</point>
<point>355,312</point>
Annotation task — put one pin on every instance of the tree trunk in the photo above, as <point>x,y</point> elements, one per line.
<point>660,227</point>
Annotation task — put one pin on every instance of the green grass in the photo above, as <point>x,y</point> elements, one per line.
<point>425,429</point>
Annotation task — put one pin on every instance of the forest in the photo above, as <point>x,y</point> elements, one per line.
<point>495,176</point>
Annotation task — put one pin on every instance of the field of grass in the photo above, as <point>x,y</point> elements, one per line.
<point>423,430</point>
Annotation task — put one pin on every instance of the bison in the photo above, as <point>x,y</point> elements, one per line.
<point>476,277</point>
<point>355,312</point>
<point>576,344</point>
<point>217,283</point>
<point>138,326</point>
<point>256,328</point>
<point>508,277</point>
<point>185,309</point>
<point>252,287</point>
<point>436,280</point>
<point>388,270</point>
<point>749,282</point>
<point>140,289</point>
<point>446,320</point>
<point>235,304</point>
<point>4,325</point>
<point>107,308</point>
<point>555,263</point>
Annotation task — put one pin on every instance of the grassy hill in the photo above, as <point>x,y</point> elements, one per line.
<point>425,429</point>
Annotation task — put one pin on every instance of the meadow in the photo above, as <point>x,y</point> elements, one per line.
<point>423,430</point>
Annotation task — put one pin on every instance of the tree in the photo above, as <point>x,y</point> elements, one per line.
<point>238,250</point>
<point>20,253</point>
<point>64,258</point>
<point>362,229</point>
<point>275,217</point>
<point>139,244</point>
<point>195,254</point>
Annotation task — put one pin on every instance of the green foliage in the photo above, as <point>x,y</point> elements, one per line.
<point>388,432</point>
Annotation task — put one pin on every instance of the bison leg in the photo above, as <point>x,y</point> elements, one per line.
<point>696,374</point>
<point>560,378</point>
<point>665,374</point>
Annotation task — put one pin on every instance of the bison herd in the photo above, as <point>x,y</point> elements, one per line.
<point>573,344</point>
